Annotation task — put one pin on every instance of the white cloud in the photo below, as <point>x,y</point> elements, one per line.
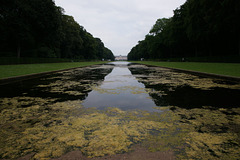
<point>120,24</point>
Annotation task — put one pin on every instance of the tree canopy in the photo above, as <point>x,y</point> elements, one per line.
<point>197,28</point>
<point>39,28</point>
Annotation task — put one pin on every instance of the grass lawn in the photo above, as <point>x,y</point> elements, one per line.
<point>26,69</point>
<point>228,69</point>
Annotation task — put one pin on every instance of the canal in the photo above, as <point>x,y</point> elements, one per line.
<point>120,109</point>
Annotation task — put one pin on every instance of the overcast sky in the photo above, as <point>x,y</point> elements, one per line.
<point>120,24</point>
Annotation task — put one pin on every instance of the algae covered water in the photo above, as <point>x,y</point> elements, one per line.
<point>122,90</point>
<point>106,110</point>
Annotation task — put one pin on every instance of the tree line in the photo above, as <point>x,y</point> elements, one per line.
<point>198,28</point>
<point>39,28</point>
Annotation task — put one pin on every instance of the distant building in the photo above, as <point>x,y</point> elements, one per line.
<point>121,58</point>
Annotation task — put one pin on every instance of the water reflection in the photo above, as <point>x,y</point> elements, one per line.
<point>169,88</point>
<point>59,87</point>
<point>120,89</point>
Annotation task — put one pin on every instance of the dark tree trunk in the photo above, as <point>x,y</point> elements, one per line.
<point>239,45</point>
<point>18,50</point>
<point>196,51</point>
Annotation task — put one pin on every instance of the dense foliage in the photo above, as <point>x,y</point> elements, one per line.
<point>198,28</point>
<point>37,28</point>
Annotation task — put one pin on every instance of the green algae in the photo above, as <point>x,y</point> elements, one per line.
<point>55,129</point>
<point>74,82</point>
<point>174,79</point>
<point>118,90</point>
<point>24,101</point>
<point>63,128</point>
<point>214,134</point>
<point>50,129</point>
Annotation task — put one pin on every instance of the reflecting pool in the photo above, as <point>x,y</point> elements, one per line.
<point>120,110</point>
<point>120,89</point>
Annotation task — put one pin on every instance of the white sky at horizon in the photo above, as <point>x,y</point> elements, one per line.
<point>119,24</point>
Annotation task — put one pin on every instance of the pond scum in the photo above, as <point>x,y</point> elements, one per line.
<point>53,130</point>
<point>49,129</point>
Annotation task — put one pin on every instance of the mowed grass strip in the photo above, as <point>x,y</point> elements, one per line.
<point>7,71</point>
<point>226,69</point>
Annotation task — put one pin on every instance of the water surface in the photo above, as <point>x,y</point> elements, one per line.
<point>120,89</point>
<point>108,109</point>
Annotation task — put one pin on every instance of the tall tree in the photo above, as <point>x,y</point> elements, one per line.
<point>197,28</point>
<point>159,26</point>
<point>71,41</point>
<point>27,22</point>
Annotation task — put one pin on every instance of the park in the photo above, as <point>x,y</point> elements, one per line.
<point>173,96</point>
